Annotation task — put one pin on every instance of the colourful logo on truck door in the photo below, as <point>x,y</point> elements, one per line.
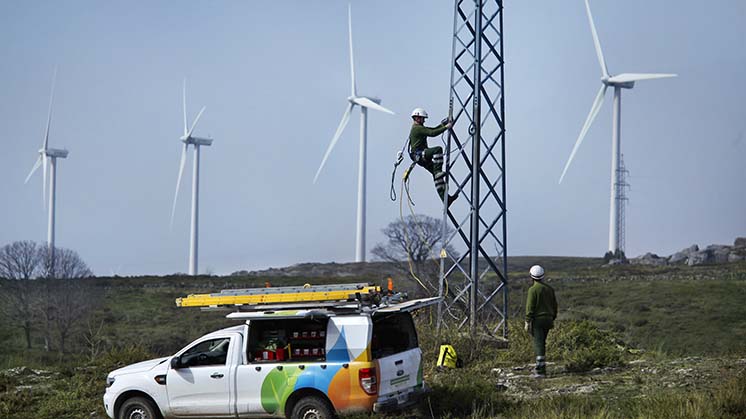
<point>340,384</point>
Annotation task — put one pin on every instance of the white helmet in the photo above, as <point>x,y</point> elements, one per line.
<point>537,272</point>
<point>419,112</point>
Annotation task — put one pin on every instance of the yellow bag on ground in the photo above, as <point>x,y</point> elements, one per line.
<point>447,357</point>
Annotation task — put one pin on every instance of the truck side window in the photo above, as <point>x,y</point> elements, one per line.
<point>209,352</point>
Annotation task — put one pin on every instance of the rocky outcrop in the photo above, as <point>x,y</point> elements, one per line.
<point>649,259</point>
<point>694,256</point>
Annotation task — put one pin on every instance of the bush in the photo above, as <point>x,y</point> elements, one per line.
<point>583,346</point>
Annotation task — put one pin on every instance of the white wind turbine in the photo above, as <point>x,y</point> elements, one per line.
<point>364,102</point>
<point>49,156</point>
<point>188,139</point>
<point>618,82</point>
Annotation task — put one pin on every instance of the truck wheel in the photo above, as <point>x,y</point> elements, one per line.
<point>138,408</point>
<point>312,407</point>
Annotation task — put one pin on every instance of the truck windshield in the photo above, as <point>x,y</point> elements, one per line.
<point>393,333</point>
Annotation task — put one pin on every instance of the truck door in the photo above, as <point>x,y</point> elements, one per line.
<point>395,349</point>
<point>201,385</point>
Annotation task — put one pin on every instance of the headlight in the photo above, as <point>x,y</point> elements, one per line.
<point>109,381</point>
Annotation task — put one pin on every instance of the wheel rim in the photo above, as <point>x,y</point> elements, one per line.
<point>312,414</point>
<point>138,413</point>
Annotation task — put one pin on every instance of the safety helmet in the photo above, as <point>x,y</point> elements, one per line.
<point>419,112</point>
<point>537,272</point>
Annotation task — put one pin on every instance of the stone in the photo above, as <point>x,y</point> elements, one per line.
<point>683,255</point>
<point>718,253</point>
<point>740,243</point>
<point>735,257</point>
<point>699,258</point>
<point>649,259</point>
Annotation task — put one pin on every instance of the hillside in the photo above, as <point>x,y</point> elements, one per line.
<point>629,338</point>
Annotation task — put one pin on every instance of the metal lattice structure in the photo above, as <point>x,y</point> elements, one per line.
<point>622,188</point>
<point>473,283</point>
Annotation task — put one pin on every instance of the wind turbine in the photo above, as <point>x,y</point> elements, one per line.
<point>618,82</point>
<point>188,139</point>
<point>49,156</point>
<point>365,102</point>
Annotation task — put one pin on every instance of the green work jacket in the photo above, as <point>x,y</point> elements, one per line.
<point>419,133</point>
<point>541,302</point>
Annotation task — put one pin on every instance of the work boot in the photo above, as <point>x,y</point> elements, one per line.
<point>452,198</point>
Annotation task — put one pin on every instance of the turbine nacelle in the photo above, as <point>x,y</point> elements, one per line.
<point>196,141</point>
<point>356,100</point>
<point>609,81</point>
<point>54,152</point>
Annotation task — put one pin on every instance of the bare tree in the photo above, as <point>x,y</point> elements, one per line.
<point>68,306</point>
<point>64,301</point>
<point>20,262</point>
<point>67,264</point>
<point>415,240</point>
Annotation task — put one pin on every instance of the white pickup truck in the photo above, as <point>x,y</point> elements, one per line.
<point>306,364</point>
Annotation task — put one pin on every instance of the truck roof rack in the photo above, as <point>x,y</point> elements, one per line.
<point>303,301</point>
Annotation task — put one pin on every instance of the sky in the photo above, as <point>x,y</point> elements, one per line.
<point>274,77</point>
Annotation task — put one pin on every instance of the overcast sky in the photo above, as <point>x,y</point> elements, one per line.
<point>275,77</point>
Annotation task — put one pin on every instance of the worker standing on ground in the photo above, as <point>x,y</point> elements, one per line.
<point>541,310</point>
<point>431,158</point>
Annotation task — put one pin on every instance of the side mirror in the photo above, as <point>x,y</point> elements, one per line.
<point>176,362</point>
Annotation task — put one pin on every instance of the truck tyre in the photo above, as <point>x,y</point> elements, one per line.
<point>312,407</point>
<point>138,408</point>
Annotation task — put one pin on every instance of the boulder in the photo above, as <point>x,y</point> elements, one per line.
<point>718,253</point>
<point>699,258</point>
<point>649,259</point>
<point>683,255</point>
<point>735,257</point>
<point>740,243</point>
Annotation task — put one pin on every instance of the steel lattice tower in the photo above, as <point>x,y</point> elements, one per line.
<point>473,283</point>
<point>622,187</point>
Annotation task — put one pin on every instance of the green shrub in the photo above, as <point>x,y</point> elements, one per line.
<point>583,346</point>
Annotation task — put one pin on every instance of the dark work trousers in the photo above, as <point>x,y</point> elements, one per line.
<point>540,330</point>
<point>432,160</point>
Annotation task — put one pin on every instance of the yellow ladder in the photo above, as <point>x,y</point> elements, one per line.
<point>278,295</point>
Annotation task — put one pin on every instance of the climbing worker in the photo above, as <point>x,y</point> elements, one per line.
<point>541,310</point>
<point>431,158</point>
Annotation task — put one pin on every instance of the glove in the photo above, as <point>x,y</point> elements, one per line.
<point>528,327</point>
<point>399,156</point>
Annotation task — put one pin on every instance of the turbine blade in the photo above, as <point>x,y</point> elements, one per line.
<point>183,97</point>
<point>364,101</point>
<point>178,181</point>
<point>629,77</point>
<point>49,113</point>
<point>194,124</point>
<point>591,116</point>
<point>352,59</point>
<point>340,128</point>
<point>33,169</point>
<point>596,42</point>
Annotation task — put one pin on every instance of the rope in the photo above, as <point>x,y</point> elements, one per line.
<point>406,237</point>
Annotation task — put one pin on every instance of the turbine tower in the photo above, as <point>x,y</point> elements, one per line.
<point>365,102</point>
<point>48,156</point>
<point>618,82</point>
<point>188,139</point>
